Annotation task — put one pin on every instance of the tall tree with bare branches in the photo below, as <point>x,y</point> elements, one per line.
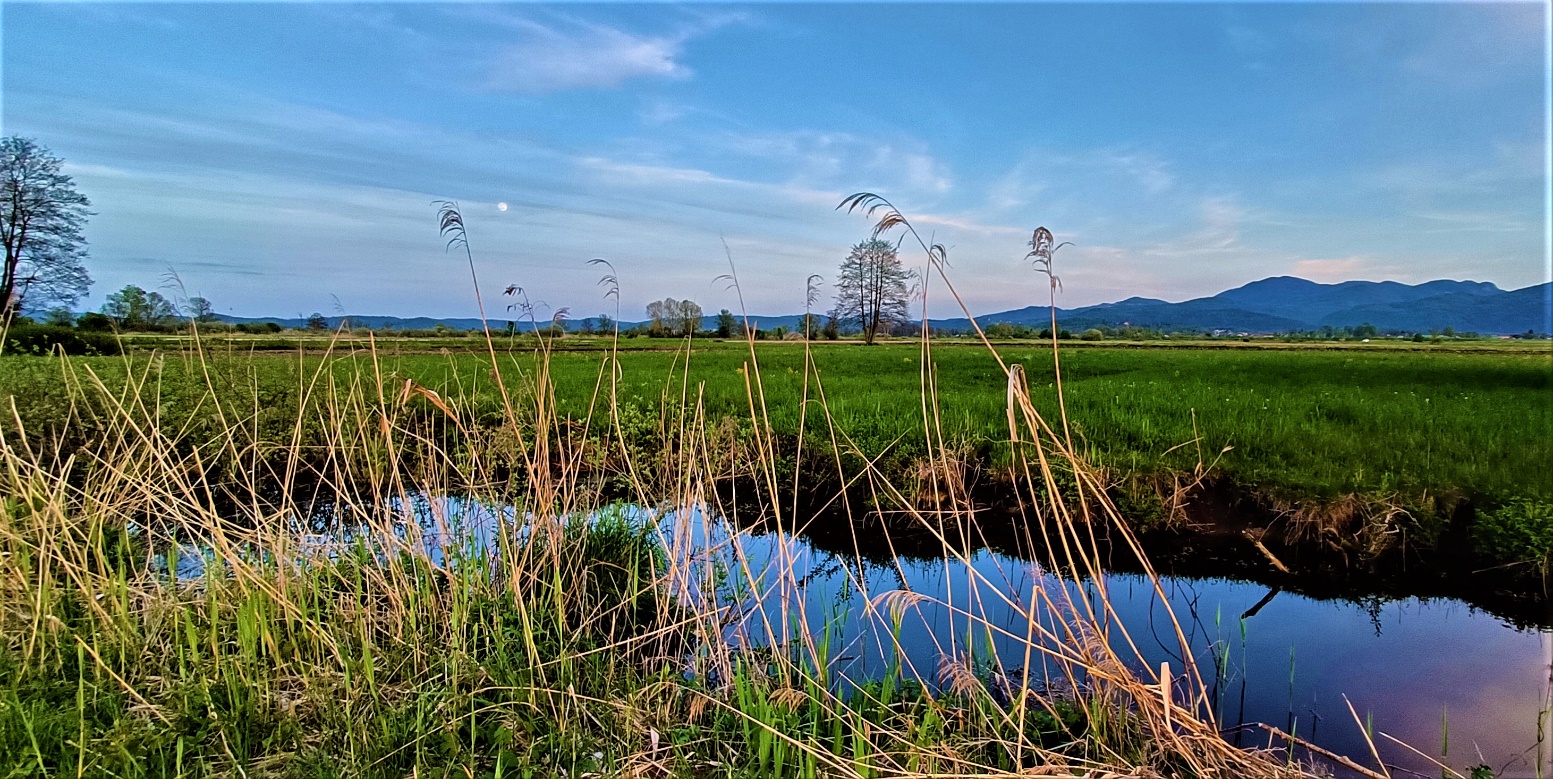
<point>674,317</point>
<point>41,219</point>
<point>872,289</point>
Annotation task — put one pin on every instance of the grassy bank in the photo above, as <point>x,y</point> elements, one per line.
<point>575,640</point>
<point>1307,423</point>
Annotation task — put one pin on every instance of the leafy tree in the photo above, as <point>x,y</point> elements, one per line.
<point>832,329</point>
<point>726,324</point>
<point>872,288</point>
<point>200,310</point>
<point>41,218</point>
<point>1000,330</point>
<point>94,320</point>
<point>133,308</point>
<point>59,316</point>
<point>606,323</point>
<point>316,321</point>
<point>810,326</point>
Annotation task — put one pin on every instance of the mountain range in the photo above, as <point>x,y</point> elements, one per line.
<point>1288,304</point>
<point>1274,305</point>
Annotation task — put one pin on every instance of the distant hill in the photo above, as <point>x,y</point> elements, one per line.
<point>1274,305</point>
<point>1287,304</point>
<point>1307,301</point>
<point>1506,312</point>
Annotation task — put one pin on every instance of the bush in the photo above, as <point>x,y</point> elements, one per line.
<point>44,339</point>
<point>1091,335</point>
<point>258,328</point>
<point>94,321</point>
<point>1520,531</point>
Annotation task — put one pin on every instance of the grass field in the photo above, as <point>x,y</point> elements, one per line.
<point>1311,422</point>
<point>578,642</point>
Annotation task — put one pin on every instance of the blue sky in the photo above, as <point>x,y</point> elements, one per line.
<point>282,157</point>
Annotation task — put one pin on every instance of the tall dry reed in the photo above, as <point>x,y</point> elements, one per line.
<point>400,587</point>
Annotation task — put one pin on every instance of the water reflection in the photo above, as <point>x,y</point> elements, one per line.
<point>1458,684</point>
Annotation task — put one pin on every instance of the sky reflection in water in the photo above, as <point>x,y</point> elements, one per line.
<point>1411,665</point>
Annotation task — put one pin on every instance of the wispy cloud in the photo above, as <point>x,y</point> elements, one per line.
<point>575,54</point>
<point>592,58</point>
<point>1219,234</point>
<point>1475,222</point>
<point>319,172</point>
<point>1115,175</point>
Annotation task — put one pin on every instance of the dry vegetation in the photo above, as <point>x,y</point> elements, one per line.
<point>369,607</point>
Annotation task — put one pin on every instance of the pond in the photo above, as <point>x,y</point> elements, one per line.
<point>1455,682</point>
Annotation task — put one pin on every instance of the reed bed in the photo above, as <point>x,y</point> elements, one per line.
<point>404,586</point>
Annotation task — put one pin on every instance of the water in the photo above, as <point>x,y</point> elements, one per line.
<point>1455,682</point>
<point>1414,668</point>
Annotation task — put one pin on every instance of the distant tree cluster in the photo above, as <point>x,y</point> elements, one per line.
<point>1007,331</point>
<point>133,308</point>
<point>670,317</point>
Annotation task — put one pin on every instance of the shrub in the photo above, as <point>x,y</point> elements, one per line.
<point>1520,531</point>
<point>258,328</point>
<point>94,321</point>
<point>1091,335</point>
<point>43,339</point>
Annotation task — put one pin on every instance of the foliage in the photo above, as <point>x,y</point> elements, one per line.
<point>258,328</point>
<point>46,339</point>
<point>41,221</point>
<point>94,321</point>
<point>133,308</point>
<point>832,329</point>
<point>726,324</point>
<point>1519,531</point>
<point>201,310</point>
<point>59,316</point>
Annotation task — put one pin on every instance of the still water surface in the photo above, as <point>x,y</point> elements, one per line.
<point>1457,683</point>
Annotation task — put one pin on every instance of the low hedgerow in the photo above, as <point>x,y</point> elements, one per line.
<point>47,339</point>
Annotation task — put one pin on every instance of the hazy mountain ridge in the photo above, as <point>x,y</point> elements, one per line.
<point>1286,304</point>
<point>1273,305</point>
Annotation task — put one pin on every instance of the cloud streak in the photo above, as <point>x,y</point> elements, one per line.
<point>587,57</point>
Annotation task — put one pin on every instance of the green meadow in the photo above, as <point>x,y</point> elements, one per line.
<point>1310,422</point>
<point>574,642</point>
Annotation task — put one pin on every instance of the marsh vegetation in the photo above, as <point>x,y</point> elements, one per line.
<point>523,560</point>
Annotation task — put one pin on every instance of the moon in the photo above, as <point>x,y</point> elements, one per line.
<point>501,206</point>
